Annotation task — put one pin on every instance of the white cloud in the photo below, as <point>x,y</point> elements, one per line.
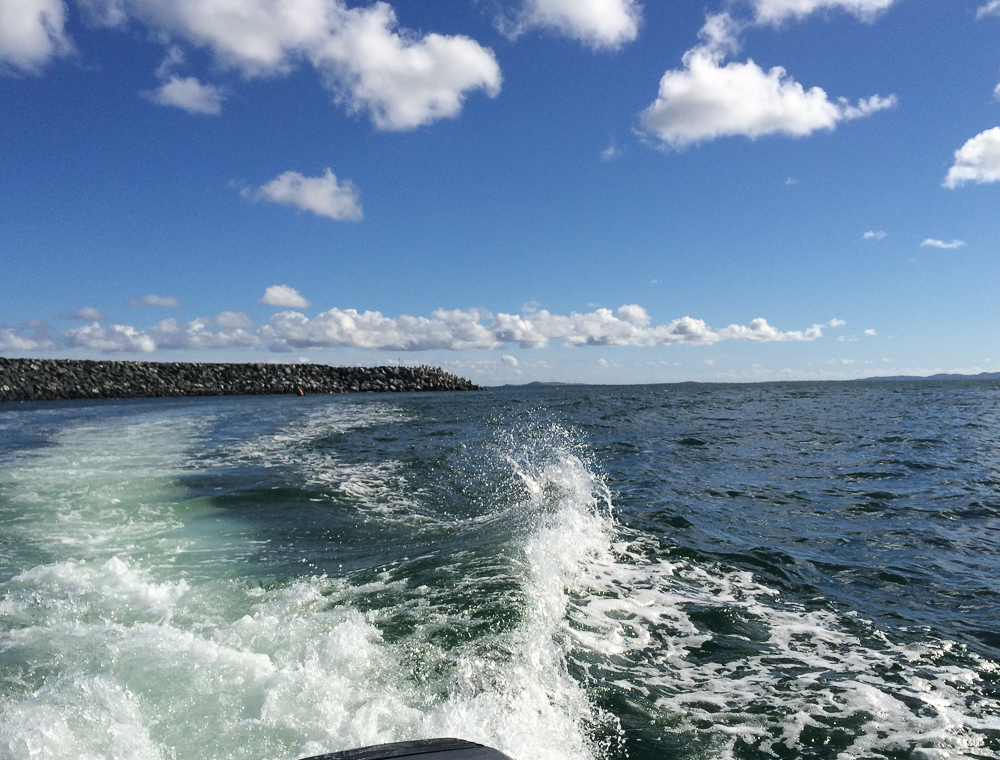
<point>103,12</point>
<point>603,363</point>
<point>230,320</point>
<point>86,314</point>
<point>12,340</point>
<point>635,314</point>
<point>400,78</point>
<point>458,330</point>
<point>601,24</point>
<point>791,181</point>
<point>611,152</point>
<point>403,82</point>
<point>347,328</point>
<point>708,99</point>
<point>32,32</point>
<point>870,332</point>
<point>113,339</point>
<point>168,302</point>
<point>760,331</point>
<point>323,196</point>
<point>283,295</point>
<point>190,94</point>
<point>934,243</point>
<point>992,8</point>
<point>836,322</point>
<point>873,235</point>
<point>976,161</point>
<point>170,333</point>
<point>776,11</point>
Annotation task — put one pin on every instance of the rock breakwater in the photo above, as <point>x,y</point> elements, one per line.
<point>53,379</point>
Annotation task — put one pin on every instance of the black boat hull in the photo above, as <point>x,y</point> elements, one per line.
<point>426,749</point>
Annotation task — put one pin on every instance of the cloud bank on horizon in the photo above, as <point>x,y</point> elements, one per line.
<point>451,330</point>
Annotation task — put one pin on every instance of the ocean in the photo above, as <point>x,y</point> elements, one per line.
<point>787,570</point>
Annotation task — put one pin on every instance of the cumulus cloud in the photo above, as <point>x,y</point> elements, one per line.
<point>600,24</point>
<point>190,94</point>
<point>870,332</point>
<point>991,8</point>
<point>338,328</point>
<point>934,243</point>
<point>476,329</point>
<point>454,330</point>
<point>150,301</point>
<point>836,322</point>
<point>168,334</point>
<point>284,295</point>
<point>112,339</point>
<point>708,98</point>
<point>635,314</point>
<point>197,334</point>
<point>777,11</point>
<point>976,161</point>
<point>401,81</point>
<point>322,196</point>
<point>230,320</point>
<point>759,331</point>
<point>17,340</point>
<point>873,235</point>
<point>32,32</point>
<point>400,78</point>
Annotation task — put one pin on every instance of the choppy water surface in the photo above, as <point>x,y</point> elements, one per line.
<point>773,571</point>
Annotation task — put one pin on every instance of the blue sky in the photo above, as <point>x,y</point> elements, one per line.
<point>576,190</point>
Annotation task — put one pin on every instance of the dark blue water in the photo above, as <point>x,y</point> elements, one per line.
<point>747,571</point>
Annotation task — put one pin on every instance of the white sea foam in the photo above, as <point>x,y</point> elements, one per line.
<point>72,499</point>
<point>803,670</point>
<point>298,448</point>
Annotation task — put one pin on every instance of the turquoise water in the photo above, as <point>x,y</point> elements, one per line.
<point>588,573</point>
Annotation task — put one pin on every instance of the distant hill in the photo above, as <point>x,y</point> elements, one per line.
<point>941,376</point>
<point>537,384</point>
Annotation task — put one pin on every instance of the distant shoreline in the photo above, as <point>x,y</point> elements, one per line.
<point>887,378</point>
<point>939,376</point>
<point>60,379</point>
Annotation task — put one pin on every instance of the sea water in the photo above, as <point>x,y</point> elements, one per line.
<point>572,573</point>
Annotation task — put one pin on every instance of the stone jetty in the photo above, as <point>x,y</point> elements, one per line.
<point>52,379</point>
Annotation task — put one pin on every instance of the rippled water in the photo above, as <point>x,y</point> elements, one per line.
<point>585,573</point>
